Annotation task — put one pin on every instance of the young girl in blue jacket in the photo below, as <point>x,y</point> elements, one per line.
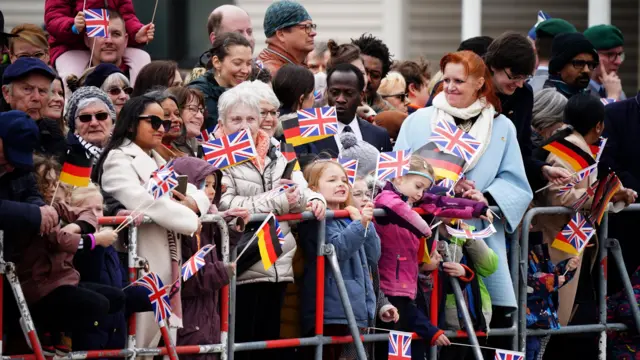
<point>356,253</point>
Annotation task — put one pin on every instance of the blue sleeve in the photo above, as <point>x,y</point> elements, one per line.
<point>420,324</point>
<point>32,194</point>
<point>19,216</point>
<point>347,242</point>
<point>372,246</point>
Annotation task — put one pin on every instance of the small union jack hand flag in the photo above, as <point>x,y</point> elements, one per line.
<point>453,140</point>
<point>229,150</point>
<point>508,355</point>
<point>162,182</point>
<point>393,164</point>
<point>280,234</point>
<point>576,233</point>
<point>204,136</point>
<point>195,263</point>
<point>158,295</point>
<point>399,345</point>
<point>577,178</point>
<point>318,122</point>
<point>97,22</point>
<point>350,166</point>
<point>468,234</point>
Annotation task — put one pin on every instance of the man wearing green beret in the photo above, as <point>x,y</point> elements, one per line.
<point>609,42</point>
<point>290,35</point>
<point>545,32</point>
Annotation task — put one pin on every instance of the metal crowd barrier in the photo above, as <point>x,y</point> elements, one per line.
<point>517,258</point>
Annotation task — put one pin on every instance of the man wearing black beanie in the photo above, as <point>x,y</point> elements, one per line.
<point>573,60</point>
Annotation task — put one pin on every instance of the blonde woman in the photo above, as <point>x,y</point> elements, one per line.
<point>392,88</point>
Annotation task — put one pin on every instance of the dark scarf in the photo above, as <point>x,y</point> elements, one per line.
<point>565,89</point>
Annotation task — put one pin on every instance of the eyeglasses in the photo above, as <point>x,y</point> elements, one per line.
<point>517,78</point>
<point>265,114</point>
<point>195,109</point>
<point>308,28</point>
<point>402,97</point>
<point>39,55</point>
<point>612,55</point>
<point>115,91</point>
<point>580,64</point>
<point>101,116</point>
<point>156,122</point>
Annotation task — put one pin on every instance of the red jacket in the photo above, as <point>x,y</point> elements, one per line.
<point>59,15</point>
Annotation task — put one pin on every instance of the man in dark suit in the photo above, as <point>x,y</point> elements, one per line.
<point>344,90</point>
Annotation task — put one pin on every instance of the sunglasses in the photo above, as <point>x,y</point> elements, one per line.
<point>156,122</point>
<point>402,97</point>
<point>85,118</point>
<point>115,91</point>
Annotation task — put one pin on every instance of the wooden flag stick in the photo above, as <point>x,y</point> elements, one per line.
<point>550,184</point>
<point>131,219</point>
<point>53,198</point>
<point>92,48</point>
<point>153,17</point>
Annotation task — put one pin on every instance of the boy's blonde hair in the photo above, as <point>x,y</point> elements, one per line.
<point>313,172</point>
<point>80,194</point>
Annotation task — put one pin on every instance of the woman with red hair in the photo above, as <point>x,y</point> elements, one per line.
<point>495,171</point>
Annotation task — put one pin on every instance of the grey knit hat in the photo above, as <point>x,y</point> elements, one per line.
<point>367,154</point>
<point>85,93</point>
<point>283,14</point>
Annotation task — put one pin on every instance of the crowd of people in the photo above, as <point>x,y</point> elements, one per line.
<point>65,94</point>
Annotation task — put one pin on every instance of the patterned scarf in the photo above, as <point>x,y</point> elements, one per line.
<point>91,149</point>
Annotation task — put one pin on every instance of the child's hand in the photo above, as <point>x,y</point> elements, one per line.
<point>442,340</point>
<point>106,238</point>
<point>488,216</point>
<point>573,263</point>
<point>145,34</point>
<point>231,269</point>
<point>561,280</point>
<point>453,269</point>
<point>390,315</point>
<point>79,22</point>
<point>367,213</point>
<point>354,214</point>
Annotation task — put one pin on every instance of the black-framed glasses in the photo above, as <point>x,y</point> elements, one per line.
<point>156,122</point>
<point>402,97</point>
<point>517,78</point>
<point>308,28</point>
<point>101,116</point>
<point>115,91</point>
<point>273,113</point>
<point>580,64</point>
<point>613,55</point>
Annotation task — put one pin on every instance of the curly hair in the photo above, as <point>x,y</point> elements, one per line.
<point>374,47</point>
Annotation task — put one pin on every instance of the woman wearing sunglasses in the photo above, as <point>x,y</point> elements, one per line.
<point>174,142</point>
<point>123,172</point>
<point>110,79</point>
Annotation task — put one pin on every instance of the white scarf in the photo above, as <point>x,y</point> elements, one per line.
<point>481,129</point>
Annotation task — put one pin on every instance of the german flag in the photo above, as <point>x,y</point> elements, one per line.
<point>268,243</point>
<point>577,158</point>
<point>423,252</point>
<point>562,243</point>
<point>446,166</point>
<point>291,129</point>
<point>76,170</point>
<point>290,154</point>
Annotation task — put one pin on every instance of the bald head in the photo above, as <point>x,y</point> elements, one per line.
<point>230,18</point>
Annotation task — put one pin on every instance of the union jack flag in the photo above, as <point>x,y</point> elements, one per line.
<point>318,122</point>
<point>577,178</point>
<point>468,234</point>
<point>393,164</point>
<point>591,192</point>
<point>205,136</point>
<point>195,263</point>
<point>578,231</point>
<point>317,95</point>
<point>350,166</point>
<point>158,295</point>
<point>162,182</point>
<point>259,64</point>
<point>598,148</point>
<point>97,22</point>
<point>607,101</point>
<point>229,150</point>
<point>399,345</point>
<point>508,355</point>
<point>453,140</point>
<point>281,238</point>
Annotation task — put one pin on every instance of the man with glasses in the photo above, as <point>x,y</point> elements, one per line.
<point>573,61</point>
<point>544,34</point>
<point>290,35</point>
<point>609,42</point>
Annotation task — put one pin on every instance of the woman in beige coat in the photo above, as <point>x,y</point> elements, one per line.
<point>125,167</point>
<point>260,292</point>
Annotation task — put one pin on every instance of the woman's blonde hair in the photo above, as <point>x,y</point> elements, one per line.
<point>30,33</point>
<point>80,194</point>
<point>314,171</point>
<point>392,84</point>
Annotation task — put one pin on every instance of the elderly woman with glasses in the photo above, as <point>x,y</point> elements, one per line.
<point>109,78</point>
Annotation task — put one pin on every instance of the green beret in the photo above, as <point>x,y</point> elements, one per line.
<point>604,37</point>
<point>553,27</point>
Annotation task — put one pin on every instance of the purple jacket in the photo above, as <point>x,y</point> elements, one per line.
<point>400,234</point>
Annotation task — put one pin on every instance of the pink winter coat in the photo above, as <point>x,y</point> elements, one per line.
<point>400,232</point>
<point>59,15</point>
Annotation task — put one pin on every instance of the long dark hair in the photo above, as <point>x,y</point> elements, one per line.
<point>292,82</point>
<point>126,129</point>
<point>154,74</point>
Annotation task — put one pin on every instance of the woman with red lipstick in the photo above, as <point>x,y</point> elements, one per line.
<point>173,141</point>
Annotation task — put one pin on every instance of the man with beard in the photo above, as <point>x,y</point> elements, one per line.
<point>573,60</point>
<point>609,42</point>
<point>377,62</point>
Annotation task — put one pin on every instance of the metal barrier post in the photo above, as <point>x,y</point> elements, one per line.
<point>602,285</point>
<point>224,292</point>
<point>513,267</point>
<point>132,263</point>
<point>344,297</point>
<point>614,245</point>
<point>522,288</point>
<point>320,287</point>
<point>232,311</point>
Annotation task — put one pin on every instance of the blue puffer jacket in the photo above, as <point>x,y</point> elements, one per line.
<point>356,253</point>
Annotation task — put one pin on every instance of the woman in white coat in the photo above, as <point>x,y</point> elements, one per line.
<point>260,292</point>
<point>124,169</point>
